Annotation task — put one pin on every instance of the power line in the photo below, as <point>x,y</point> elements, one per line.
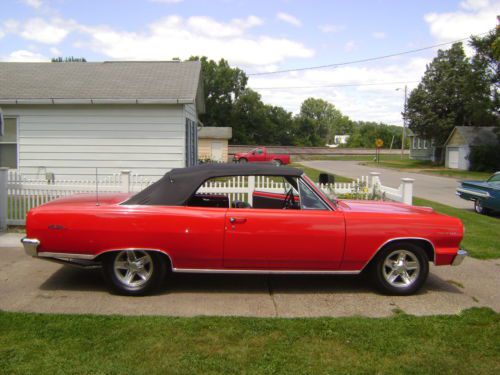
<point>328,86</point>
<point>363,60</point>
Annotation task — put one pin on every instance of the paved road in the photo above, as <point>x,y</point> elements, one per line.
<point>34,285</point>
<point>439,189</point>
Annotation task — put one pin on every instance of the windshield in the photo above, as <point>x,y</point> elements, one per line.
<point>328,194</point>
<point>495,178</point>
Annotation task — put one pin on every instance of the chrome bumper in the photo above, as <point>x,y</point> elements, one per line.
<point>461,254</point>
<point>30,246</point>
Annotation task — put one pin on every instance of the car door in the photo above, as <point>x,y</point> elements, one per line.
<point>258,155</point>
<point>307,239</point>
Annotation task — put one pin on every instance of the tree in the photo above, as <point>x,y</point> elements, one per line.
<point>364,135</point>
<point>453,92</point>
<point>69,59</point>
<point>487,58</point>
<point>318,121</point>
<point>222,87</point>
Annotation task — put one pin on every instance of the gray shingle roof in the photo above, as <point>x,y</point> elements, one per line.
<point>476,134</point>
<point>153,81</point>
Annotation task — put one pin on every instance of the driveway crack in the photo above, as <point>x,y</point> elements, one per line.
<point>271,294</point>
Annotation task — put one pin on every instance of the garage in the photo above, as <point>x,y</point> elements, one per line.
<point>453,156</point>
<point>460,141</point>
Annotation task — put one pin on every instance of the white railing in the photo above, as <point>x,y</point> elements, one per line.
<point>21,194</point>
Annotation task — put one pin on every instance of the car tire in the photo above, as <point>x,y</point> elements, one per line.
<point>479,208</point>
<point>134,272</point>
<point>400,269</point>
<point>277,162</point>
<point>242,160</point>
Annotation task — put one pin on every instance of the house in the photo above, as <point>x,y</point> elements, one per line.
<point>67,119</point>
<point>213,143</point>
<point>339,140</point>
<point>420,148</point>
<point>460,140</point>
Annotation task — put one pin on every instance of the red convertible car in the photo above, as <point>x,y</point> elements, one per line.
<point>172,226</point>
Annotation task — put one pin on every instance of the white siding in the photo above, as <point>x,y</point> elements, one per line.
<point>71,141</point>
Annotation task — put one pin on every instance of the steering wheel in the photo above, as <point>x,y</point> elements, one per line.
<point>289,200</point>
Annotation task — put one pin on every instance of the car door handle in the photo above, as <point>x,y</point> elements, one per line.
<point>237,220</point>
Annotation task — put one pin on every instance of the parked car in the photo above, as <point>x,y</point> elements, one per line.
<point>260,154</point>
<point>173,226</point>
<point>484,194</point>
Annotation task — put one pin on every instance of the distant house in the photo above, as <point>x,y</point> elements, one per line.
<point>339,140</point>
<point>68,119</point>
<point>461,139</point>
<point>420,148</point>
<point>213,143</point>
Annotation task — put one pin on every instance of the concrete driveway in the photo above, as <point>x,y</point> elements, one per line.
<point>34,285</point>
<point>435,188</point>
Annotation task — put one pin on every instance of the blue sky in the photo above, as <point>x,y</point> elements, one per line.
<point>258,36</point>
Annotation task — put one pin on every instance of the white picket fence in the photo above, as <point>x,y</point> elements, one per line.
<point>24,194</point>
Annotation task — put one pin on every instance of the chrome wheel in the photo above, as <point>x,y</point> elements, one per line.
<point>478,207</point>
<point>133,268</point>
<point>401,268</point>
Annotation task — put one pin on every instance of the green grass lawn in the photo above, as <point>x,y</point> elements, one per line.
<point>313,174</point>
<point>468,343</point>
<point>482,239</point>
<point>369,157</point>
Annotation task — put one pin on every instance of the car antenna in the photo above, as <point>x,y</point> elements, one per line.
<point>96,188</point>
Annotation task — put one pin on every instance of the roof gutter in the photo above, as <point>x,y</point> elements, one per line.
<point>50,101</point>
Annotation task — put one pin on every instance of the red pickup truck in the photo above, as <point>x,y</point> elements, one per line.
<point>260,154</point>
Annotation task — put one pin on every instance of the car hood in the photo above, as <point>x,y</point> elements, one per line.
<point>382,207</point>
<point>479,184</point>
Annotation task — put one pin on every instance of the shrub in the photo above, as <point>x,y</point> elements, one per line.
<point>485,158</point>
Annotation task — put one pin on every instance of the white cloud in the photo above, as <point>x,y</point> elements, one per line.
<point>39,30</point>
<point>330,28</point>
<point>174,36</point>
<point>24,56</point>
<point>55,52</point>
<point>33,3</point>
<point>212,28</point>
<point>288,18</point>
<point>370,103</point>
<point>473,17</point>
<point>379,35</point>
<point>2,34</point>
<point>350,46</point>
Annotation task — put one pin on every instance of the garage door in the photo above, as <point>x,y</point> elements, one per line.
<point>453,158</point>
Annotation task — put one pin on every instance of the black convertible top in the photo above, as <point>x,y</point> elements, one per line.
<point>178,185</point>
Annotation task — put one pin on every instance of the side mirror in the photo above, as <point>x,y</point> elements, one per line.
<point>325,178</point>
<point>253,152</point>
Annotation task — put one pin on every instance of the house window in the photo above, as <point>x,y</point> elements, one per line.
<point>418,143</point>
<point>425,144</point>
<point>8,143</point>
<point>191,143</point>
<point>414,142</point>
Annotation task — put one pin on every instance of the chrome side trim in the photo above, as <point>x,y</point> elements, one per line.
<point>264,272</point>
<point>30,245</point>
<point>459,258</point>
<point>474,192</point>
<point>400,239</point>
<point>46,254</point>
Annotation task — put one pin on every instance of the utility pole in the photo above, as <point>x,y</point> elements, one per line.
<point>404,127</point>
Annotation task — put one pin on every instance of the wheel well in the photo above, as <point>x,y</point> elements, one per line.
<point>167,258</point>
<point>423,243</point>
